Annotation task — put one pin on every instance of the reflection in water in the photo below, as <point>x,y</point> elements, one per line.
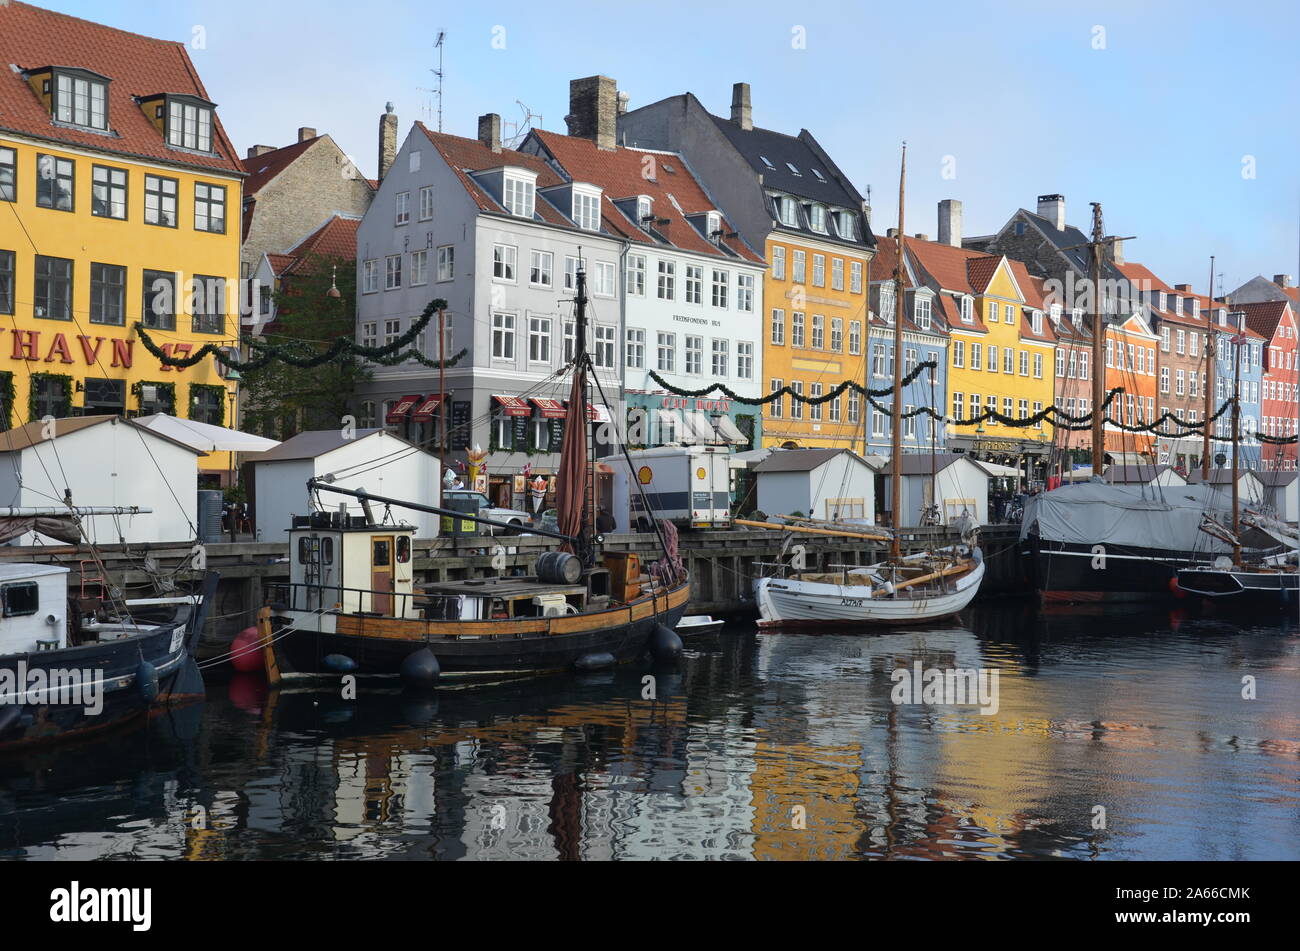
<point>766,746</point>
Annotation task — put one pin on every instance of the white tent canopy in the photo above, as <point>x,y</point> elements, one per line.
<point>204,436</point>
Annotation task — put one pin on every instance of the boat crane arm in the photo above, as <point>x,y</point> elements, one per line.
<point>317,485</point>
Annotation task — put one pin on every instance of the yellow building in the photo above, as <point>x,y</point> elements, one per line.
<point>119,203</point>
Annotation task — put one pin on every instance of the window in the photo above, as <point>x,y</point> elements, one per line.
<point>1009,315</point>
<point>539,339</point>
<point>107,294</point>
<point>586,211</point>
<point>958,402</point>
<point>107,192</point>
<point>796,329</point>
<point>788,211</point>
<point>778,264</point>
<point>837,334</point>
<point>855,336</point>
<point>8,174</point>
<point>159,300</point>
<point>1008,360</point>
<point>503,336</point>
<point>519,196</point>
<point>1023,409</point>
<point>819,270</point>
<point>976,356</point>
<point>636,275</point>
<point>993,312</point>
<point>1038,408</point>
<point>776,407</point>
<point>189,125</point>
<point>796,406</point>
<point>1038,366</point>
<point>369,276</point>
<point>721,348</point>
<point>1036,321</point>
<point>694,354</point>
<point>666,351</point>
<point>818,332</point>
<point>392,330</point>
<point>1060,362</point>
<point>1083,364</point>
<point>921,312</point>
<point>205,405</point>
<point>666,286</point>
<point>207,304</point>
<point>968,310</point>
<point>209,208</point>
<point>504,257</point>
<point>1164,339</point>
<point>959,353</point>
<point>419,268</point>
<point>815,409</point>
<point>817,218</point>
<point>855,406</point>
<point>798,267</point>
<point>604,285</point>
<point>539,275</point>
<point>993,359</point>
<point>6,282</point>
<point>20,598</point>
<point>744,360</point>
<point>835,409</point>
<point>745,293</point>
<point>1196,345</point>
<point>369,333</point>
<point>1181,385</point>
<point>426,202</point>
<point>53,288</point>
<point>694,284</point>
<point>570,340</point>
<point>721,280</point>
<point>55,181</point>
<point>1151,361</point>
<point>878,359</point>
<point>887,303</point>
<point>635,348</point>
<point>52,395</point>
<point>778,326</point>
<point>392,272</point>
<point>604,352</point>
<point>1181,345</point>
<point>403,208</point>
<point>855,277</point>
<point>80,100</point>
<point>1024,363</point>
<point>160,201</point>
<point>878,420</point>
<point>847,228</point>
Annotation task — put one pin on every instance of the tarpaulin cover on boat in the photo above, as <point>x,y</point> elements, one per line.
<point>1091,513</point>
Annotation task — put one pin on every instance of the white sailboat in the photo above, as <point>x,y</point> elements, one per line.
<point>924,586</point>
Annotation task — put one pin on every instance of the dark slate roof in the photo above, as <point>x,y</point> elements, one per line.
<point>1271,477</point>
<point>1217,476</point>
<point>1069,237</point>
<point>836,190</point>
<point>919,463</point>
<point>802,460</point>
<point>310,444</point>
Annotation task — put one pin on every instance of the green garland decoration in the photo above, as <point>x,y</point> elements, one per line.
<point>7,393</point>
<point>389,354</point>
<point>65,409</point>
<point>137,390</point>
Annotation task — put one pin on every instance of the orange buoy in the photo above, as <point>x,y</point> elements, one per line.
<point>1174,588</point>
<point>245,651</point>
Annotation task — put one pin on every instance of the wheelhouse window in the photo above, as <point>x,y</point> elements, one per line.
<point>55,182</point>
<point>108,192</point>
<point>81,99</point>
<point>209,208</point>
<point>160,201</point>
<point>21,598</point>
<point>107,294</point>
<point>159,303</point>
<point>53,299</point>
<point>189,124</point>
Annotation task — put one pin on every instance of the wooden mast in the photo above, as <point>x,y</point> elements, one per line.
<point>1098,348</point>
<point>1211,346</point>
<point>1239,342</point>
<point>896,411</point>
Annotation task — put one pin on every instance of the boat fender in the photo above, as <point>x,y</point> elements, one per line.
<point>245,651</point>
<point>885,590</point>
<point>9,715</point>
<point>338,663</point>
<point>420,669</point>
<point>664,643</point>
<point>597,660</point>
<point>146,681</point>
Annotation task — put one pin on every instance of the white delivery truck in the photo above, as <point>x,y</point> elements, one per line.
<point>688,485</point>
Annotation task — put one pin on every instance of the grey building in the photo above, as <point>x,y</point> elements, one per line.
<point>494,232</point>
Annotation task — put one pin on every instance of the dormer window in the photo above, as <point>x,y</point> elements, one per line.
<point>1223,317</point>
<point>767,161</point>
<point>519,196</point>
<point>921,312</point>
<point>189,123</point>
<point>793,170</point>
<point>713,226</point>
<point>787,210</point>
<point>820,176</point>
<point>1076,318</point>
<point>967,309</point>
<point>81,98</point>
<point>817,218</point>
<point>1036,321</point>
<point>1056,315</point>
<point>645,211</point>
<point>586,209</point>
<point>846,224</point>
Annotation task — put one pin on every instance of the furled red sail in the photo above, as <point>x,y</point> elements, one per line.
<point>571,484</point>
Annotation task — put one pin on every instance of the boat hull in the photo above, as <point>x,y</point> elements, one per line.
<point>1239,590</point>
<point>785,603</point>
<point>378,645</point>
<point>1063,572</point>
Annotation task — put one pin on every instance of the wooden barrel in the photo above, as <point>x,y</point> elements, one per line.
<point>559,567</point>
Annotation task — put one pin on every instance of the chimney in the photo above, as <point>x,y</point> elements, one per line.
<point>950,222</point>
<point>891,233</point>
<point>921,237</point>
<point>622,103</point>
<point>489,131</point>
<point>387,140</point>
<point>742,113</point>
<point>1185,288</point>
<point>305,133</point>
<point>1052,207</point>
<point>257,150</point>
<point>593,110</point>
<point>1283,280</point>
<point>1117,251</point>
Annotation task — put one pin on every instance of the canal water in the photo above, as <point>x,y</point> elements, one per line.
<point>1116,735</point>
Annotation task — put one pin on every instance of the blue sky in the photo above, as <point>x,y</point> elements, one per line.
<point>1153,108</point>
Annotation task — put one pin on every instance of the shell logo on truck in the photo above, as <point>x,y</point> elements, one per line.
<point>645,474</point>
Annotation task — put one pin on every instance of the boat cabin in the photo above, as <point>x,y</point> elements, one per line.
<point>339,562</point>
<point>33,608</point>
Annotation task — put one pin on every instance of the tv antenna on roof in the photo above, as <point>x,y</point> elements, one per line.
<point>438,45</point>
<point>520,129</point>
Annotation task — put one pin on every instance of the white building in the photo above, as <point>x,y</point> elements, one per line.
<point>832,484</point>
<point>103,461</point>
<point>1144,474</point>
<point>498,235</point>
<point>378,461</point>
<point>955,482</point>
<point>1282,493</point>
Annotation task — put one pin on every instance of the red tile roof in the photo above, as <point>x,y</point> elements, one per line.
<point>980,271</point>
<point>946,264</point>
<point>31,38</point>
<point>262,168</point>
<point>1141,275</point>
<point>882,265</point>
<point>335,240</point>
<point>1263,317</point>
<point>619,172</point>
<point>281,263</point>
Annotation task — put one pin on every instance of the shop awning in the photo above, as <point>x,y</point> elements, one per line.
<point>699,428</point>
<point>427,408</point>
<point>550,409</point>
<point>513,405</point>
<point>401,408</point>
<point>730,433</point>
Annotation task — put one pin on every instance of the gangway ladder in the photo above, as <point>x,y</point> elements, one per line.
<point>97,579</point>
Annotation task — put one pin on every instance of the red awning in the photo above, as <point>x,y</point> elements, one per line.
<point>550,409</point>
<point>596,413</point>
<point>513,405</point>
<point>401,408</point>
<point>425,411</point>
